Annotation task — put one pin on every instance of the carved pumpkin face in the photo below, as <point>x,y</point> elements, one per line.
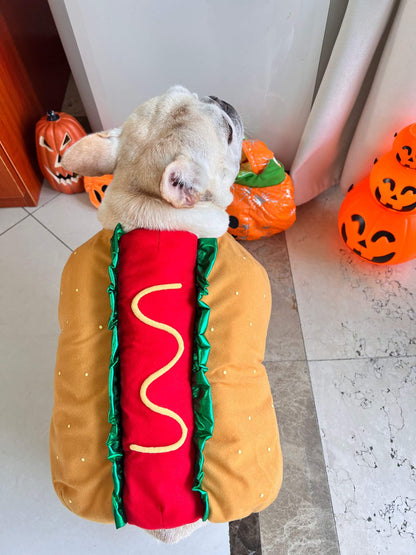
<point>374,232</point>
<point>404,146</point>
<point>56,132</point>
<point>394,185</point>
<point>96,187</point>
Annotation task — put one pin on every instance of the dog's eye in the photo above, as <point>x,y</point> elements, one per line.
<point>230,132</point>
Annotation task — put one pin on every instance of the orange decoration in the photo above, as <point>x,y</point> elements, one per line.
<point>263,203</point>
<point>374,232</point>
<point>256,213</point>
<point>96,187</point>
<point>257,154</point>
<point>55,133</point>
<point>404,146</point>
<point>393,184</point>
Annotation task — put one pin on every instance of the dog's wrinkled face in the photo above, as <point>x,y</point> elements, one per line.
<point>176,150</point>
<point>186,145</point>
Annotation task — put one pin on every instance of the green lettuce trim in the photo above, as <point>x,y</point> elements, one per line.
<point>201,389</point>
<point>273,174</point>
<point>114,444</point>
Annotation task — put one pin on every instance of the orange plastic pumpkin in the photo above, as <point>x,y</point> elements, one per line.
<point>56,132</point>
<point>374,232</point>
<point>393,184</point>
<point>257,154</point>
<point>404,146</point>
<point>263,202</point>
<point>96,187</point>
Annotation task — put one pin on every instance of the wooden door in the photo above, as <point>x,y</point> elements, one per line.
<point>33,78</point>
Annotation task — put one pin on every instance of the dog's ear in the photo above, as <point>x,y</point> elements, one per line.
<point>181,183</point>
<point>93,155</point>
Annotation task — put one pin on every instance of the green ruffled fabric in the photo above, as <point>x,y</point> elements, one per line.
<point>201,389</point>
<point>115,451</point>
<point>273,174</point>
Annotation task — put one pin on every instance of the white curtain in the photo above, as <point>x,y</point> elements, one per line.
<point>367,93</point>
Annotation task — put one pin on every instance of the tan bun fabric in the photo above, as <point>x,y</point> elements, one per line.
<point>243,468</point>
<point>81,473</point>
<point>243,460</point>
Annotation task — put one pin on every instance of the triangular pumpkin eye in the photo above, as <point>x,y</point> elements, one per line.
<point>43,143</point>
<point>66,140</point>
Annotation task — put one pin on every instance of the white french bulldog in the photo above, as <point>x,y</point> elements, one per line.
<point>174,161</point>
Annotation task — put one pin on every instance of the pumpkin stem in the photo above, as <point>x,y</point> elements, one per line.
<point>52,115</point>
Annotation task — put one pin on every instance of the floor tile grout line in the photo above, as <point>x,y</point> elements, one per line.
<point>51,232</point>
<point>307,360</point>
<point>37,208</point>
<point>15,224</point>
<point>285,361</point>
<point>326,465</point>
<point>375,357</point>
<point>312,392</point>
<point>296,298</point>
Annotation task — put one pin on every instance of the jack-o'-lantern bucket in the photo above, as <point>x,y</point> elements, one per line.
<point>373,231</point>
<point>393,184</point>
<point>55,133</point>
<point>404,146</point>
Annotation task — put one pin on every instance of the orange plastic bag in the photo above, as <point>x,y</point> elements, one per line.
<point>263,195</point>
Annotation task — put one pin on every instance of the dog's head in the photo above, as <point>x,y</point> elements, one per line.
<point>175,151</point>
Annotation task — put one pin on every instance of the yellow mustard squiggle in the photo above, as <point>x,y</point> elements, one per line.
<point>156,375</point>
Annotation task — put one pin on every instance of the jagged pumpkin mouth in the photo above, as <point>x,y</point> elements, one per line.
<point>64,179</point>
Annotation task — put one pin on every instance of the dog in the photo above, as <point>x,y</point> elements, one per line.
<point>174,161</point>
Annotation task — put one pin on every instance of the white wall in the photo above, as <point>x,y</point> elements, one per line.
<point>261,56</point>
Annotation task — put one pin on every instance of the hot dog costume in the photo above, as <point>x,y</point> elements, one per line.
<point>163,413</point>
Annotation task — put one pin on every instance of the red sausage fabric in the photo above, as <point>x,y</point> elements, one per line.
<point>158,418</point>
